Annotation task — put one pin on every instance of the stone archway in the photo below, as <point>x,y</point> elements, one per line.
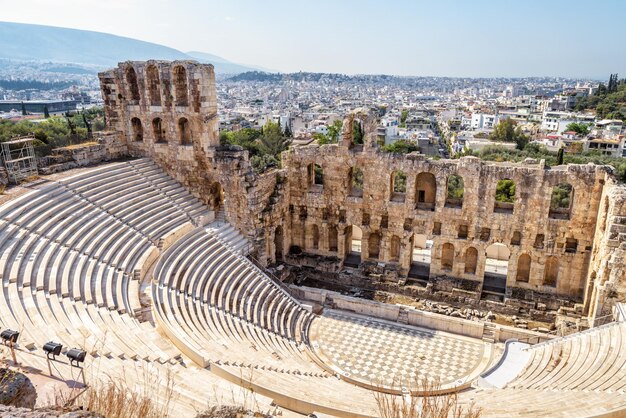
<point>353,238</point>
<point>421,253</point>
<point>496,269</point>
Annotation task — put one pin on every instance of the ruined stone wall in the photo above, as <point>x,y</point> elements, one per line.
<point>607,270</point>
<point>105,147</point>
<point>168,111</point>
<point>386,214</point>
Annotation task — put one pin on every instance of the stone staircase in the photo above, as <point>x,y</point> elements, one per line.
<point>489,332</point>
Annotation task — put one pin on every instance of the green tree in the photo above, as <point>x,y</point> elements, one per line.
<point>403,117</point>
<point>273,142</point>
<point>288,133</point>
<point>23,109</point>
<point>46,114</point>
<point>507,131</point>
<point>334,131</point>
<point>401,146</point>
<point>559,157</point>
<point>579,127</point>
<point>505,191</point>
<point>357,132</point>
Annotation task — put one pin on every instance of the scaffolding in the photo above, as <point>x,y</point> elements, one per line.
<point>18,157</point>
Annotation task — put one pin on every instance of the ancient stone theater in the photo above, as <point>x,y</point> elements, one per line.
<point>160,252</point>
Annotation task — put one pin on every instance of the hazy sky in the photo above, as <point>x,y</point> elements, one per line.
<point>439,37</point>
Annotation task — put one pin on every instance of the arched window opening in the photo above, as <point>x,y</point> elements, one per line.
<point>496,268</point>
<point>395,248</point>
<point>456,190</point>
<point>561,201</point>
<point>373,245</point>
<point>425,191</point>
<point>523,268</point>
<point>398,186</point>
<point>157,130</point>
<point>447,256</point>
<point>358,133</point>
<point>332,239</point>
<point>137,129</point>
<point>133,87</point>
<point>551,272</point>
<point>355,178</point>
<point>154,85</point>
<point>184,131</point>
<point>180,86</point>
<point>505,196</point>
<point>471,260</point>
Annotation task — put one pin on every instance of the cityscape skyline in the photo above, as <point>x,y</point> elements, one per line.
<point>455,39</point>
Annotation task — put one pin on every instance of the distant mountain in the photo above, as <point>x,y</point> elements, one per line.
<point>26,42</point>
<point>219,62</point>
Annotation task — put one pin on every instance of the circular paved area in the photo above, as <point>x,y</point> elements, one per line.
<point>381,353</point>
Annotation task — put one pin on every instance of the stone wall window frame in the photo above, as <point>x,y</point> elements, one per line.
<point>447,256</point>
<point>374,244</point>
<point>425,191</point>
<point>157,131</point>
<point>136,128</point>
<point>333,239</point>
<point>524,263</point>
<point>551,271</point>
<point>397,186</point>
<point>471,260</point>
<point>571,245</point>
<point>462,232</point>
<point>153,82</point>
<point>561,201</point>
<point>355,182</point>
<point>181,86</point>
<point>516,239</point>
<point>315,177</point>
<point>184,132</point>
<point>455,191</point>
<point>315,237</point>
<point>133,86</point>
<point>357,140</point>
<point>505,195</point>
<point>394,248</point>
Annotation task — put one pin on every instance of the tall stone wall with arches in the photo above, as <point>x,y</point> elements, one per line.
<point>548,242</point>
<point>167,110</point>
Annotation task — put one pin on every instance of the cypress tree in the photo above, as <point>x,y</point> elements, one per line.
<point>46,114</point>
<point>23,109</point>
<point>559,157</point>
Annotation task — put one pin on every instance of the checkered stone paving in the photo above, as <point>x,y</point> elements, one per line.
<point>386,354</point>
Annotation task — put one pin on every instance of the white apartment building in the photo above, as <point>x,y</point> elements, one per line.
<point>484,121</point>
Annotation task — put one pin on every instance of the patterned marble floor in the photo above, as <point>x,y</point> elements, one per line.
<point>387,354</point>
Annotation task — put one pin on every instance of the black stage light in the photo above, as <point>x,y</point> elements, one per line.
<point>9,336</point>
<point>76,356</point>
<point>52,349</point>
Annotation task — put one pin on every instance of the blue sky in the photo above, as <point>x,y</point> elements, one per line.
<point>437,38</point>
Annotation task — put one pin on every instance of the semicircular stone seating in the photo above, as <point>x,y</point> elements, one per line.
<point>592,360</point>
<point>73,252</point>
